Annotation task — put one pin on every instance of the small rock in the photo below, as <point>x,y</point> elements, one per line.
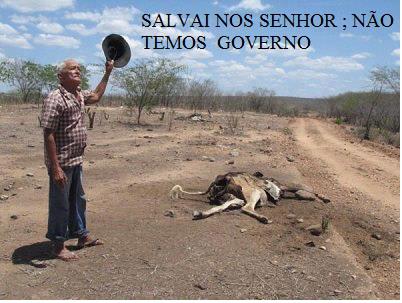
<point>323,198</point>
<point>38,186</point>
<point>243,230</point>
<point>290,216</point>
<point>290,159</point>
<point>29,145</point>
<point>311,278</point>
<point>300,220</point>
<point>8,187</point>
<point>14,217</point>
<point>316,232</point>
<point>337,292</point>
<point>230,162</point>
<point>315,226</point>
<point>376,236</point>
<point>234,153</point>
<point>200,286</point>
<point>150,130</point>
<point>189,159</point>
<point>310,244</point>
<point>305,195</point>
<point>322,248</point>
<point>354,277</point>
<point>169,213</point>
<point>210,159</point>
<point>92,161</point>
<point>29,174</point>
<point>3,197</point>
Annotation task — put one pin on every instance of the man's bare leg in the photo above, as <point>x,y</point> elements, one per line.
<point>61,252</point>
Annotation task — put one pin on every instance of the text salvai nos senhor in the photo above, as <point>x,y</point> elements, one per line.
<point>246,21</point>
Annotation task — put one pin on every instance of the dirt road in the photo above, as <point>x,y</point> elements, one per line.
<point>363,183</point>
<point>355,166</point>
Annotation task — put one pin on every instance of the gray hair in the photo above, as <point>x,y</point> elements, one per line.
<point>60,67</point>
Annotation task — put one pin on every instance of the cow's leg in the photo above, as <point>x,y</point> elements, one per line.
<point>252,198</point>
<point>234,203</point>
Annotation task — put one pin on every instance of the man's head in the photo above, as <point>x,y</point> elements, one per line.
<point>69,73</point>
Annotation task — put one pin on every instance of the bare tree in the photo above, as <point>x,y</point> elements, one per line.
<point>261,100</point>
<point>200,93</point>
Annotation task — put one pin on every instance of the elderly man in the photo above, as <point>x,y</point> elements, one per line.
<point>65,140</point>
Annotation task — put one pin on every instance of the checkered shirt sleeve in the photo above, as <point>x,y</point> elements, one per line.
<point>51,111</point>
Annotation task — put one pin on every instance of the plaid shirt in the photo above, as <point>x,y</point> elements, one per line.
<point>64,114</point>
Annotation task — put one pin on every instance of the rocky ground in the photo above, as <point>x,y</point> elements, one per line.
<point>154,250</point>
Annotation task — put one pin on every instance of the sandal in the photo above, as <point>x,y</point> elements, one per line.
<point>88,243</point>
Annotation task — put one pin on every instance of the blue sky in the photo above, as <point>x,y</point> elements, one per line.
<point>48,31</point>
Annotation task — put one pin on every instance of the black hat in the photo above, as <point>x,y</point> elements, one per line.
<point>116,48</point>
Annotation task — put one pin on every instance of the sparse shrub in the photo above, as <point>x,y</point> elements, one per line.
<point>287,131</point>
<point>338,121</point>
<point>232,122</point>
<point>325,221</point>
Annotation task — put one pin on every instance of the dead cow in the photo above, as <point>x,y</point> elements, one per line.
<point>236,190</point>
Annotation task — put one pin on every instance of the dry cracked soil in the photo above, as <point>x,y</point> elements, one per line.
<point>154,250</point>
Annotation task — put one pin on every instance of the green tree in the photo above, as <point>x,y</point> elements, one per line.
<point>147,81</point>
<point>31,79</point>
<point>23,76</point>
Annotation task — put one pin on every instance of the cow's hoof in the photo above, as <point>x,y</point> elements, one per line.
<point>264,220</point>
<point>197,215</point>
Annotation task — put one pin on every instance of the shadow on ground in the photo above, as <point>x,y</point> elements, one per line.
<point>29,254</point>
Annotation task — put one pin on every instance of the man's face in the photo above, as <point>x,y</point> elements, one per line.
<point>71,74</point>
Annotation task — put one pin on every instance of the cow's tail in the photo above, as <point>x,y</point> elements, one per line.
<point>177,190</point>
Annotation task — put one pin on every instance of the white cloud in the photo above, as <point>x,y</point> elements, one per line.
<point>57,40</point>
<point>231,66</point>
<point>85,16</point>
<point>23,28</point>
<point>326,63</point>
<point>306,74</point>
<point>395,36</point>
<point>24,19</point>
<point>365,37</point>
<point>396,52</point>
<point>27,6</point>
<point>16,41</point>
<point>50,27</point>
<point>6,29</point>
<point>346,35</point>
<point>254,5</point>
<point>196,54</point>
<point>116,19</point>
<point>363,55</point>
<point>10,36</point>
<point>81,29</point>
